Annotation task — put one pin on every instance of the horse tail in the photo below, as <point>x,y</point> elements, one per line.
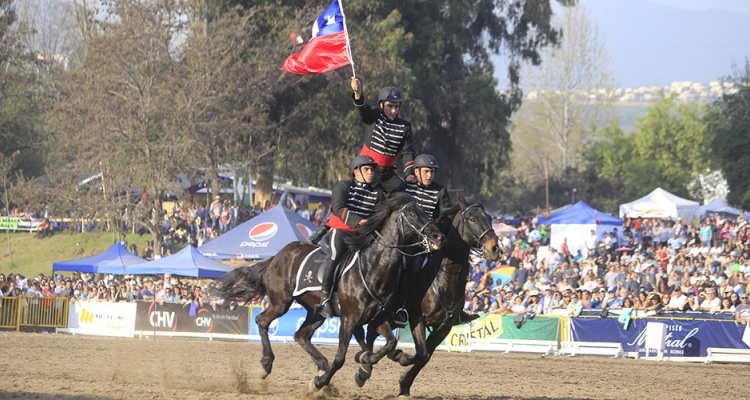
<point>244,283</point>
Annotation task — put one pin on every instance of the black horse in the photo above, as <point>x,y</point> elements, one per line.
<point>436,296</point>
<point>364,292</point>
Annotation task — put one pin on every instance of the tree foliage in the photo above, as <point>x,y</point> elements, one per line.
<point>668,150</point>
<point>729,119</point>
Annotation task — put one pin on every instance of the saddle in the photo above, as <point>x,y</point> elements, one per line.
<point>311,271</point>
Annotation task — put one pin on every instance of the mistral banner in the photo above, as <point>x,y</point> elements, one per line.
<point>171,317</point>
<point>101,319</point>
<point>284,327</point>
<point>490,326</point>
<point>684,338</point>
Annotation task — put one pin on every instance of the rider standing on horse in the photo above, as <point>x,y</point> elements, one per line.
<point>386,137</point>
<point>352,202</point>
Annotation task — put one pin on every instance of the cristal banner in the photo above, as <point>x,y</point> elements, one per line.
<point>684,338</point>
<point>496,327</point>
<point>171,317</point>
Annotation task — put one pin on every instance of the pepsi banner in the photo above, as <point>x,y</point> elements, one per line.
<point>683,339</point>
<point>173,317</point>
<point>283,328</point>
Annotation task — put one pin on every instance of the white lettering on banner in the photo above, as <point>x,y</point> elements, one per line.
<point>204,322</point>
<point>254,244</point>
<point>640,340</point>
<point>163,319</point>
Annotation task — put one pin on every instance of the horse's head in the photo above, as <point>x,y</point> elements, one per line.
<point>475,228</point>
<point>408,225</point>
<point>417,227</point>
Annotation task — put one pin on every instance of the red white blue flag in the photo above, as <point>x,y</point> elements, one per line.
<point>329,47</point>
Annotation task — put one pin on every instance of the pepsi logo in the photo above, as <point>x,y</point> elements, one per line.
<point>304,230</point>
<point>263,231</point>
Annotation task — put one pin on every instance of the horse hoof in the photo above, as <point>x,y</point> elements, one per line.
<point>404,397</point>
<point>312,385</point>
<point>263,374</point>
<point>359,381</point>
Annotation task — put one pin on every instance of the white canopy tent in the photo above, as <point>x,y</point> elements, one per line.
<point>660,204</point>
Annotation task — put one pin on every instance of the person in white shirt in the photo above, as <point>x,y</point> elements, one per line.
<point>591,242</point>
<point>712,302</point>
<point>676,300</point>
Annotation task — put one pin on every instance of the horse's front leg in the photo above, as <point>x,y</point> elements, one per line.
<point>433,341</point>
<point>418,326</point>
<point>346,328</point>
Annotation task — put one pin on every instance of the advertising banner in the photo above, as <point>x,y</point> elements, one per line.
<point>8,223</point>
<point>19,224</point>
<point>283,328</point>
<point>490,326</point>
<point>172,317</point>
<point>684,338</point>
<point>102,319</point>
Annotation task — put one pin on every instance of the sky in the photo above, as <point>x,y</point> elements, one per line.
<point>657,42</point>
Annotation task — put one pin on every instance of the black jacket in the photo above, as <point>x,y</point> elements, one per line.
<point>351,202</point>
<point>385,140</point>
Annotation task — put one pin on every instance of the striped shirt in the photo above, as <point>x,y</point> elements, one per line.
<point>427,198</point>
<point>362,199</point>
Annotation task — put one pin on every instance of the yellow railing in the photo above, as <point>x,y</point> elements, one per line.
<point>30,311</point>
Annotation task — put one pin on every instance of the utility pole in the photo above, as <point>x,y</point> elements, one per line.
<point>546,181</point>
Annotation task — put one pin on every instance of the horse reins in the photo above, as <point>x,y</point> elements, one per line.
<point>423,242</point>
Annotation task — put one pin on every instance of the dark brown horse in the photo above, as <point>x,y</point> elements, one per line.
<point>437,294</point>
<point>364,292</point>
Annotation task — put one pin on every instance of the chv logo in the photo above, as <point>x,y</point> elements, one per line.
<point>263,231</point>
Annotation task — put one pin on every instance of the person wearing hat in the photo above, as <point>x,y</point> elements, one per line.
<point>387,136</point>
<point>676,299</point>
<point>533,306</point>
<point>352,202</point>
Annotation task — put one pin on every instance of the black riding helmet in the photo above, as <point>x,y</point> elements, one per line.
<point>425,161</point>
<point>390,94</point>
<point>361,160</point>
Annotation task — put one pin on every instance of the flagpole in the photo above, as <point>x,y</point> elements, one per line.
<point>348,44</point>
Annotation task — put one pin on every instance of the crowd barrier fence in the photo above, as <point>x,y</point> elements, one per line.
<point>688,337</point>
<point>34,312</point>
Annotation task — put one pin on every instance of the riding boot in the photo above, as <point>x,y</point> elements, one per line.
<point>465,318</point>
<point>324,308</point>
<point>401,316</point>
<point>320,232</point>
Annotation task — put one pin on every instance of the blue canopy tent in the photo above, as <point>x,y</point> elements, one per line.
<point>186,262</point>
<point>113,261</point>
<point>575,223</point>
<point>261,237</point>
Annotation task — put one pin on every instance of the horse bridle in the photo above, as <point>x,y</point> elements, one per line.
<point>477,238</point>
<point>424,242</point>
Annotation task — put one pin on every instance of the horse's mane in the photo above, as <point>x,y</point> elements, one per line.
<point>381,212</point>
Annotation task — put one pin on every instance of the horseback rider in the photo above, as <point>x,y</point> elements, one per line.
<point>352,202</point>
<point>434,199</point>
<point>386,137</point>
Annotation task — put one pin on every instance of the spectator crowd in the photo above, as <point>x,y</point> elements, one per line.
<point>648,265</point>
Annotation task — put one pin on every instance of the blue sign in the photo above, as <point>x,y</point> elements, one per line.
<point>684,338</point>
<point>284,327</point>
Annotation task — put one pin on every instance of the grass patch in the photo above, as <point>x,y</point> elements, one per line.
<point>33,256</point>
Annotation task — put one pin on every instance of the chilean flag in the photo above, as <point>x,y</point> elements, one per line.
<point>329,47</point>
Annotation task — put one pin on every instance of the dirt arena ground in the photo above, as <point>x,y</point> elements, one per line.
<point>61,366</point>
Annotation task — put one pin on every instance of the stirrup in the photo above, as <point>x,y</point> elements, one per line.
<point>401,318</point>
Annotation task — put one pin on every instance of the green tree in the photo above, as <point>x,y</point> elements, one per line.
<point>729,119</point>
<point>668,150</point>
